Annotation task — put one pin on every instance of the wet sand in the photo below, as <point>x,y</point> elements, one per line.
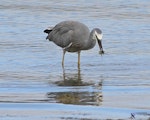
<point>59,111</point>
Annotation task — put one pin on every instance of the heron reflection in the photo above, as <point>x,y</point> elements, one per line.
<point>77,94</point>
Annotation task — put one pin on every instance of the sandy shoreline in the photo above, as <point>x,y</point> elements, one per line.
<point>46,111</point>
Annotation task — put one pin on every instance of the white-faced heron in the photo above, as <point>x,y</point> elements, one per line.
<point>74,36</point>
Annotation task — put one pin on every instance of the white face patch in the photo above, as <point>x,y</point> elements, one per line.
<point>99,36</point>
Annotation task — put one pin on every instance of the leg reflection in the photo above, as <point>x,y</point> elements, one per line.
<point>72,79</point>
<point>78,91</point>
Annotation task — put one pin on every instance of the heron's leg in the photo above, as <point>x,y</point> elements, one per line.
<point>63,57</point>
<point>79,58</point>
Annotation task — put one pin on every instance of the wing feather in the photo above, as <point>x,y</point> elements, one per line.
<point>70,35</point>
<point>61,35</point>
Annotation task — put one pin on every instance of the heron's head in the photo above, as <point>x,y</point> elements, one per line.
<point>98,35</point>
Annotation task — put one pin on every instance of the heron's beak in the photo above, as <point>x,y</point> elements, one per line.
<point>100,46</point>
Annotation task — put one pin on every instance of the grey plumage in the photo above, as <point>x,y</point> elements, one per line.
<point>74,36</point>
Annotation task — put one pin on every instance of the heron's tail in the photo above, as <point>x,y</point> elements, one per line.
<point>48,30</point>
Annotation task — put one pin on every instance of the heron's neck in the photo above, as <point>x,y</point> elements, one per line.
<point>92,40</point>
<point>90,43</point>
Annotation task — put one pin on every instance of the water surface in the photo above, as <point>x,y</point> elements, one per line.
<point>33,85</point>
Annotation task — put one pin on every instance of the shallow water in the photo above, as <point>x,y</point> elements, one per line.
<point>34,86</point>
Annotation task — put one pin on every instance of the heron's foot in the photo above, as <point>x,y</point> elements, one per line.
<point>101,52</point>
